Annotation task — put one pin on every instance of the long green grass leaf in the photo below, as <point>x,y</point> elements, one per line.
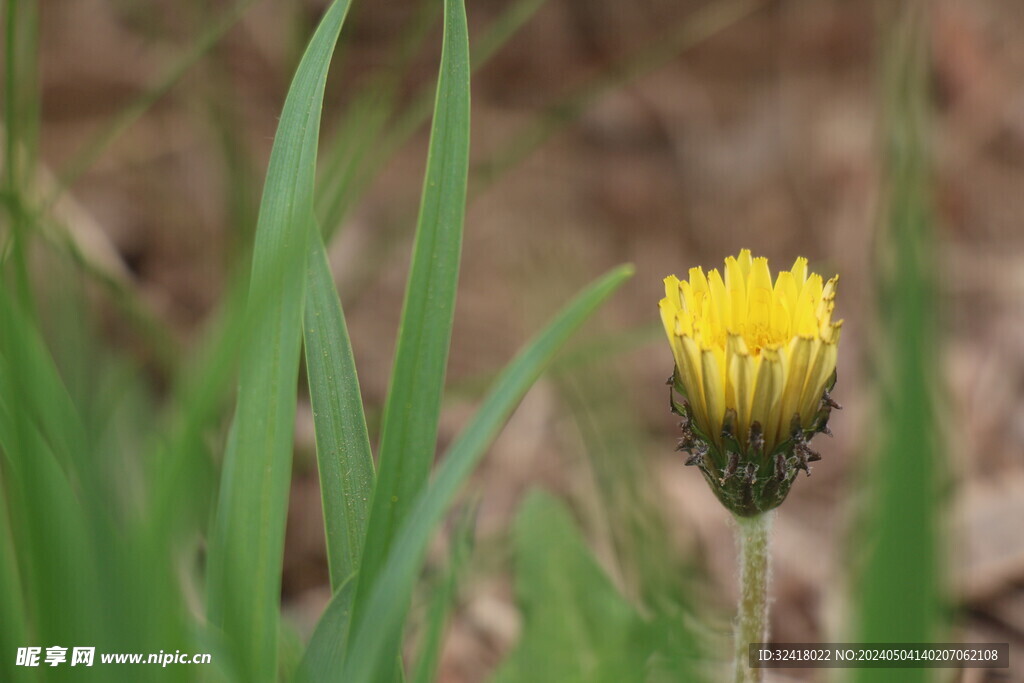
<point>342,443</point>
<point>899,596</point>
<point>325,655</point>
<point>380,623</point>
<point>246,544</point>
<point>12,609</point>
<point>413,407</point>
<point>21,123</point>
<point>44,449</point>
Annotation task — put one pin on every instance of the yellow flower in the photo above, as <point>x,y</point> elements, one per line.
<point>753,360</point>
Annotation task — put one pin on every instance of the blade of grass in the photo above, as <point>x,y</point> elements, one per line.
<point>246,543</point>
<point>21,120</point>
<point>442,596</point>
<point>342,443</point>
<point>380,624</point>
<point>413,406</point>
<point>12,609</point>
<point>85,573</point>
<point>43,447</point>
<point>41,400</point>
<point>87,576</point>
<point>326,652</point>
<point>899,596</point>
<point>52,550</point>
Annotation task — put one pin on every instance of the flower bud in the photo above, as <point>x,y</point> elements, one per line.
<point>755,362</point>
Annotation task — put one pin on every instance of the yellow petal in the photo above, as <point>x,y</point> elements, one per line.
<point>720,308</point>
<point>759,300</point>
<point>675,323</point>
<point>736,288</point>
<point>765,407</point>
<point>672,289</point>
<point>828,302</point>
<point>740,382</point>
<point>822,365</point>
<point>697,280</point>
<point>781,319</point>
<point>668,317</point>
<point>784,300</point>
<point>799,271</point>
<point>744,262</point>
<point>805,322</point>
<point>829,291</point>
<point>830,332</point>
<point>714,391</point>
<point>686,298</point>
<point>786,289</point>
<point>812,289</point>
<point>733,275</point>
<point>689,364</point>
<point>798,360</point>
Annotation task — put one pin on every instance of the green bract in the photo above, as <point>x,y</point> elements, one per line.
<point>749,481</point>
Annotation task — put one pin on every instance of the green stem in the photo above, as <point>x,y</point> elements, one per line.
<point>752,620</point>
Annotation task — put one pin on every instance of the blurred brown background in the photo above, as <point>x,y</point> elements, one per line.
<point>763,135</point>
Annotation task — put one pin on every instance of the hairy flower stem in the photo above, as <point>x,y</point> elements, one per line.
<point>752,621</point>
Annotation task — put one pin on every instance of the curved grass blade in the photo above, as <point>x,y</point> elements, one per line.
<point>45,453</point>
<point>342,443</point>
<point>246,543</point>
<point>380,624</point>
<point>326,652</point>
<point>413,407</point>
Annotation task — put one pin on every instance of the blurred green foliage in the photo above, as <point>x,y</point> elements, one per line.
<point>899,591</point>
